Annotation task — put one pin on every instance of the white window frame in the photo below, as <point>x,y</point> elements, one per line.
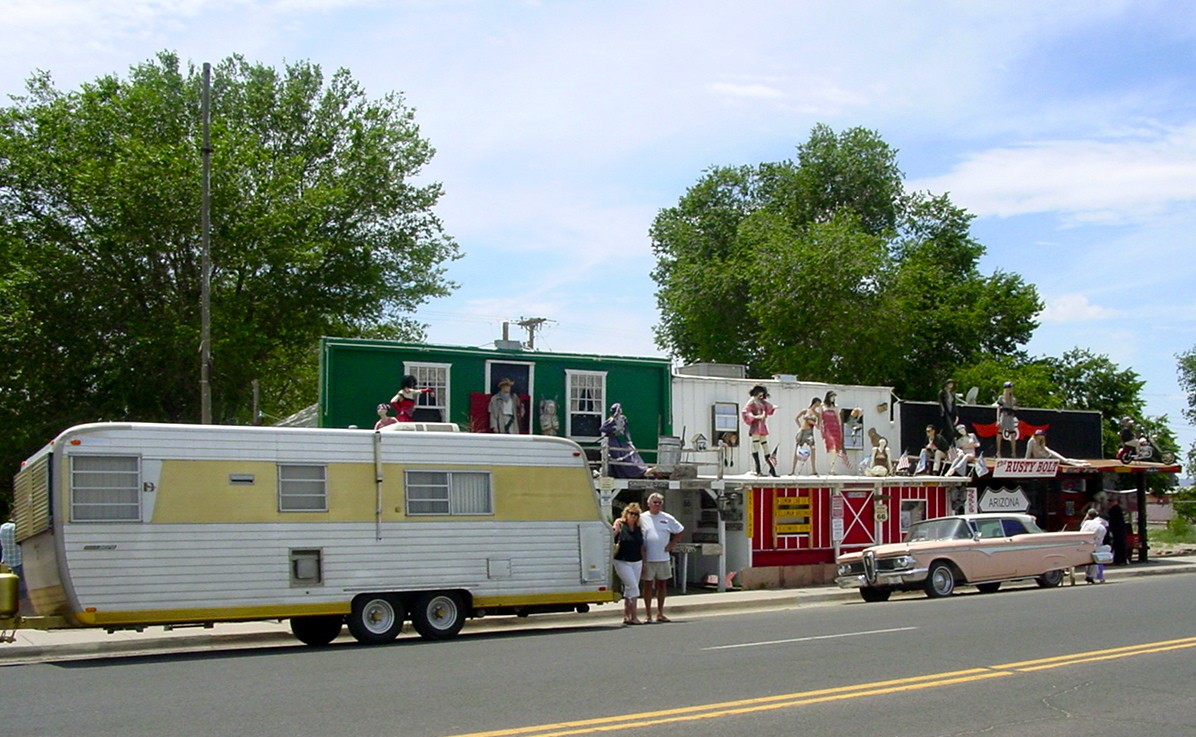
<point>531,374</point>
<point>284,494</point>
<point>442,393</point>
<point>133,491</point>
<point>454,496</point>
<point>572,376</point>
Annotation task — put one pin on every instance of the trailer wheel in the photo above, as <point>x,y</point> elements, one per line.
<point>317,631</point>
<point>375,618</point>
<point>438,615</point>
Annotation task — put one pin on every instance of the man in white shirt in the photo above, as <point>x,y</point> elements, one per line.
<point>661,532</point>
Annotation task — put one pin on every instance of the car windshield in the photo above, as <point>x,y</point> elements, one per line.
<point>938,529</point>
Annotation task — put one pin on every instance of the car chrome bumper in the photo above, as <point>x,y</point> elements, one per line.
<point>884,578</point>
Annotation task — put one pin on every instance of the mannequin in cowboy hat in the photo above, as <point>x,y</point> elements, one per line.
<point>506,409</point>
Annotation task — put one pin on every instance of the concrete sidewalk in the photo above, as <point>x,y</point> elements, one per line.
<point>35,645</point>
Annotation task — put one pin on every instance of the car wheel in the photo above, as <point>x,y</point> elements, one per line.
<point>375,618</point>
<point>1050,579</point>
<point>940,581</point>
<point>989,588</point>
<point>317,631</point>
<point>873,595</point>
<point>438,615</point>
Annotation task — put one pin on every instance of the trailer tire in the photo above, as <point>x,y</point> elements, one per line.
<point>438,615</point>
<point>317,631</point>
<point>375,618</point>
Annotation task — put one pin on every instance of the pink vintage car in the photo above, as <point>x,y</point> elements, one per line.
<point>978,549</point>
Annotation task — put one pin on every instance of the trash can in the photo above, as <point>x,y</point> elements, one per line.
<point>668,453</point>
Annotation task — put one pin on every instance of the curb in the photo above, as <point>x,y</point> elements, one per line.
<point>11,654</point>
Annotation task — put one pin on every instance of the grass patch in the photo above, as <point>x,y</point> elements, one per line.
<point>1178,531</point>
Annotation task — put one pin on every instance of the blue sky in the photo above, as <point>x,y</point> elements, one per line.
<point>562,128</point>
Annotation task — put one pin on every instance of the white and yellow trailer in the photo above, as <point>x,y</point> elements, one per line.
<point>125,525</point>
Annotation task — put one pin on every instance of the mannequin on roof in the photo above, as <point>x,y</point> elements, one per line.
<point>405,399</point>
<point>756,413</point>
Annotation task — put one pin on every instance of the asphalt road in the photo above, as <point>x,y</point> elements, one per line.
<point>1095,661</point>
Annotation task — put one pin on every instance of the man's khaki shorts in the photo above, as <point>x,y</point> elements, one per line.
<point>657,570</point>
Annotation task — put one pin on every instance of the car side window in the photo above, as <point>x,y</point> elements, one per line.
<point>990,529</point>
<point>1014,527</point>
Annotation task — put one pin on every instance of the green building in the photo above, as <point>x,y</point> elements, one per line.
<point>563,394</point>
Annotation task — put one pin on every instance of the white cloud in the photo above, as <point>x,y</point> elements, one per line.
<point>1133,179</point>
<point>1075,308</point>
<point>752,90</point>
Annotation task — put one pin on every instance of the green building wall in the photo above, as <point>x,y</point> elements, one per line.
<point>357,375</point>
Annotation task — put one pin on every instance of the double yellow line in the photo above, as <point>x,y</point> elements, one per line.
<point>841,693</point>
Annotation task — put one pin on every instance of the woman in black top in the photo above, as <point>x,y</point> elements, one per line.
<point>629,558</point>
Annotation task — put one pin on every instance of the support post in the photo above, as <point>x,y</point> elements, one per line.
<point>1143,543</point>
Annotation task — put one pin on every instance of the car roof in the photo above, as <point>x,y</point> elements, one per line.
<point>981,516</point>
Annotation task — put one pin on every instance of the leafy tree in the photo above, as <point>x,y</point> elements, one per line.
<point>1088,381</point>
<point>1187,381</point>
<point>825,267</point>
<point>705,262</point>
<point>1033,380</point>
<point>1078,380</point>
<point>1185,509</point>
<point>318,228</point>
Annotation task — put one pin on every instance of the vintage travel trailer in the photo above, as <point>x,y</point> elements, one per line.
<point>123,525</point>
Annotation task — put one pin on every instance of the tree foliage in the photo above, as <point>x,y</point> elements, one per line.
<point>1088,381</point>
<point>825,267</point>
<point>318,228</point>
<point>1078,380</point>
<point>1187,382</point>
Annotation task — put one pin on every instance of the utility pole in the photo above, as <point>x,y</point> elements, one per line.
<point>531,325</point>
<point>205,226</point>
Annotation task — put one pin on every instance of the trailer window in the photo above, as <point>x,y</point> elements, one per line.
<point>302,488</point>
<point>448,493</point>
<point>105,489</point>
